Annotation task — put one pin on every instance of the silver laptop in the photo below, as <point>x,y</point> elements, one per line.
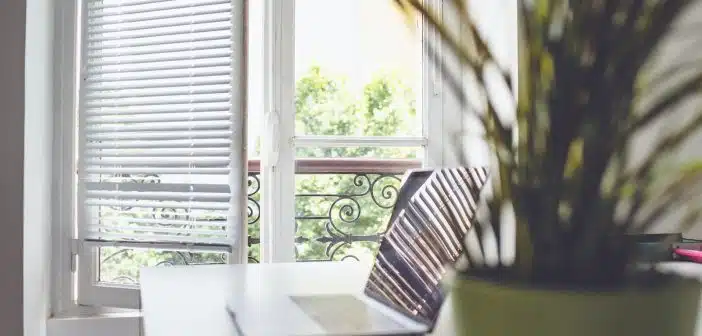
<point>403,293</point>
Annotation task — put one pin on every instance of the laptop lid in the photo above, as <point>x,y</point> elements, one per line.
<point>411,181</point>
<point>425,236</point>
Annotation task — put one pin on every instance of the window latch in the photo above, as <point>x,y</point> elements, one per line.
<point>76,245</point>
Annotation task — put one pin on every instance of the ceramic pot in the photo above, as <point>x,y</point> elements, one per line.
<point>484,308</point>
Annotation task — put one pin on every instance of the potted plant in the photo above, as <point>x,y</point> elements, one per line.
<point>550,252</point>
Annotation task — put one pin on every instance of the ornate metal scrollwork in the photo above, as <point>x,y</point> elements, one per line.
<point>253,207</point>
<point>254,213</point>
<point>346,211</point>
<point>385,195</point>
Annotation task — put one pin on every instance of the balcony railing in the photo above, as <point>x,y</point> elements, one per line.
<point>342,205</point>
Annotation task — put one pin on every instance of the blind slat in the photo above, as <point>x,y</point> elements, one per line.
<point>185,162</point>
<point>160,40</point>
<point>98,4</point>
<point>160,126</point>
<point>106,238</point>
<point>181,116</point>
<point>159,83</point>
<point>145,136</point>
<point>158,187</point>
<point>133,101</point>
<point>159,66</point>
<point>160,144</point>
<point>183,6</point>
<point>186,28</point>
<point>158,204</point>
<point>161,57</point>
<point>158,92</point>
<point>159,23</point>
<point>125,217</point>
<point>158,196</point>
<point>157,152</point>
<point>159,229</point>
<point>161,108</point>
<point>192,71</point>
<point>159,49</point>
<point>160,170</point>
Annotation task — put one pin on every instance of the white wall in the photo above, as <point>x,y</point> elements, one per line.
<point>681,47</point>
<point>37,173</point>
<point>12,37</point>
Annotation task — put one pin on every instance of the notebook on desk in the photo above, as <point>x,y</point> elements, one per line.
<point>403,293</point>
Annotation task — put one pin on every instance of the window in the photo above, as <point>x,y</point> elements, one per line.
<point>335,116</point>
<point>347,117</point>
<point>357,110</point>
<point>159,144</point>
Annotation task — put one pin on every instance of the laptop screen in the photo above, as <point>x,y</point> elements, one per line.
<point>425,236</point>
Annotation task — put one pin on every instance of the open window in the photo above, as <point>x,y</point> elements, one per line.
<point>348,114</point>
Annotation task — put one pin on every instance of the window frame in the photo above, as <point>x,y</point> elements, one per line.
<point>64,263</point>
<point>73,265</point>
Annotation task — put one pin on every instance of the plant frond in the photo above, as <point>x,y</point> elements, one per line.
<point>691,86</point>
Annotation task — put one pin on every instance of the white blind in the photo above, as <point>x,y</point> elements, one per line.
<point>158,122</point>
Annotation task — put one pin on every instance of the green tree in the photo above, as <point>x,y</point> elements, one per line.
<point>325,106</point>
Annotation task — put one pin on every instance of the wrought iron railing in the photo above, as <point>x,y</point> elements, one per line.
<point>342,205</point>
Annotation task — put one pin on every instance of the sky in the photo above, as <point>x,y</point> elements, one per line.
<point>354,38</point>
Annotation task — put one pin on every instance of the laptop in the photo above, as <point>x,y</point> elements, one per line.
<point>403,292</point>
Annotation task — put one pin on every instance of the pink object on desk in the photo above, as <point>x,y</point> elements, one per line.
<point>689,255</point>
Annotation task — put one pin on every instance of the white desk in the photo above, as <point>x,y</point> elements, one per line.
<point>191,300</point>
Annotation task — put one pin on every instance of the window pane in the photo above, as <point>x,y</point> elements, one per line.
<point>342,216</point>
<point>255,78</point>
<point>343,203</point>
<point>358,75</point>
<point>254,212</point>
<point>255,119</point>
<point>121,265</point>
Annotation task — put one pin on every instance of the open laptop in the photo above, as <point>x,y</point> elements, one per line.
<point>403,293</point>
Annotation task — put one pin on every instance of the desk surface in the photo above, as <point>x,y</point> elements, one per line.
<point>191,300</point>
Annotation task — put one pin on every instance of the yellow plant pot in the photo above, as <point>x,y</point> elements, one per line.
<point>483,308</point>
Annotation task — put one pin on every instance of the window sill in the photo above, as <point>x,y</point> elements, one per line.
<point>90,323</point>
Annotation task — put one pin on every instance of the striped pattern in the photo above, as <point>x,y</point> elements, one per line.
<point>425,236</point>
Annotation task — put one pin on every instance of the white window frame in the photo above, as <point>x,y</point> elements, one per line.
<point>63,262</point>
<point>277,166</point>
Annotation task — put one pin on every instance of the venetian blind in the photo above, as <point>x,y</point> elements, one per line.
<point>160,135</point>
